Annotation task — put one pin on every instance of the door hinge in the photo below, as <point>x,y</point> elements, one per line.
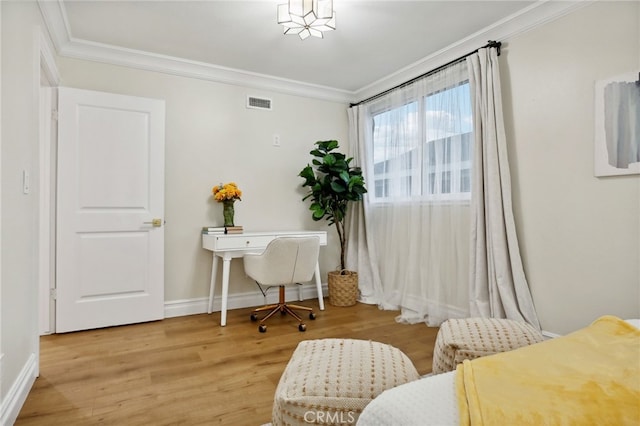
<point>53,293</point>
<point>54,114</point>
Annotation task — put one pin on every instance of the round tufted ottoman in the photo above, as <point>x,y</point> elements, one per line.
<point>330,381</point>
<point>470,338</point>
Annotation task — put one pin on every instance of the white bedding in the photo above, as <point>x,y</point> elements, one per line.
<point>634,322</point>
<point>430,401</point>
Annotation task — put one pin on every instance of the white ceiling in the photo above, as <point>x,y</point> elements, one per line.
<point>373,39</point>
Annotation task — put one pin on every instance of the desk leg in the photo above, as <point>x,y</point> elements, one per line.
<point>212,285</point>
<point>319,287</point>
<point>226,264</point>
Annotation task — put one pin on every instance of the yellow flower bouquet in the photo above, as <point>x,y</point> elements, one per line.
<point>228,191</point>
<point>227,194</point>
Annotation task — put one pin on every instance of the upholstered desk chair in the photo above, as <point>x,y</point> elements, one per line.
<point>285,261</point>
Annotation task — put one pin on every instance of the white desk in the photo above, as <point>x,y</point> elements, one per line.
<point>229,246</point>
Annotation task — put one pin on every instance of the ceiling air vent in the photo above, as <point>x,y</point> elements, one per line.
<point>258,103</point>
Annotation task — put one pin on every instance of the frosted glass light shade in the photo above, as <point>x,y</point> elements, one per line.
<point>307,17</point>
<point>324,9</point>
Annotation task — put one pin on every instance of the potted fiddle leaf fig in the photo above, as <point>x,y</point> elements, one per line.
<point>333,183</point>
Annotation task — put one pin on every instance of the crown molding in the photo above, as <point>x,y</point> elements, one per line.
<point>82,49</point>
<point>56,21</point>
<point>66,45</point>
<point>525,20</point>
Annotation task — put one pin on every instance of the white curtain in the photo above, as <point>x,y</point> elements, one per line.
<point>498,286</point>
<point>435,236</point>
<point>409,239</point>
<point>361,252</point>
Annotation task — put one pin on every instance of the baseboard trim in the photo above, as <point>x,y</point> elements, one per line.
<point>179,308</point>
<point>15,398</point>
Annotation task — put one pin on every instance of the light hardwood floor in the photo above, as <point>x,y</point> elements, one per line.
<point>191,371</point>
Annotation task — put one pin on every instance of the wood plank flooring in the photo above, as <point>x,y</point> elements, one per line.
<point>191,371</point>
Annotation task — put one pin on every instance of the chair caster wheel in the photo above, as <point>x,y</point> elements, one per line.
<point>312,316</point>
<point>262,328</point>
<point>254,317</point>
<point>302,327</point>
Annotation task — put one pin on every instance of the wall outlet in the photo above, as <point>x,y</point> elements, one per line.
<point>276,140</point>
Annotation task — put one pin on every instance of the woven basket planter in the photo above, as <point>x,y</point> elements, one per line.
<point>343,288</point>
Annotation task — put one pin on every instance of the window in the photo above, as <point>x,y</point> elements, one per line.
<point>422,150</point>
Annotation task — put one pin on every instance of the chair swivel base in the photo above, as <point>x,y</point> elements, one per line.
<point>284,309</point>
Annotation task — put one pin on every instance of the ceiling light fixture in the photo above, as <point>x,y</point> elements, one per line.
<point>307,17</point>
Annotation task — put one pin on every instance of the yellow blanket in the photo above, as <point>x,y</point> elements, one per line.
<point>589,377</point>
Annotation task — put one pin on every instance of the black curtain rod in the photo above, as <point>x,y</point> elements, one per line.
<point>491,43</point>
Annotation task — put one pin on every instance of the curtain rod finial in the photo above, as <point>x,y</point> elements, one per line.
<point>496,44</point>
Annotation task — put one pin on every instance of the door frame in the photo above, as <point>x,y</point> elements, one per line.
<point>48,79</point>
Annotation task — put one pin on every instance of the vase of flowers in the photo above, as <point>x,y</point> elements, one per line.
<point>227,194</point>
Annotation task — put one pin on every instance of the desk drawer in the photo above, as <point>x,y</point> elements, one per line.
<point>240,242</point>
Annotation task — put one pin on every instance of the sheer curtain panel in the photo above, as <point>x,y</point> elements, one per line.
<point>411,234</point>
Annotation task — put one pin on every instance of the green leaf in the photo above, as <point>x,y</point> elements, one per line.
<point>307,173</point>
<point>338,187</point>
<point>331,145</point>
<point>329,160</point>
<point>327,145</point>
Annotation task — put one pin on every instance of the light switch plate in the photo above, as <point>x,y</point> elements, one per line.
<point>26,182</point>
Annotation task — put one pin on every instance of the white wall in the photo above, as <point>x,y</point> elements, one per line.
<point>579,235</point>
<point>19,320</point>
<point>211,137</point>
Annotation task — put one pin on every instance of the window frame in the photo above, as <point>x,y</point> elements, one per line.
<point>419,168</point>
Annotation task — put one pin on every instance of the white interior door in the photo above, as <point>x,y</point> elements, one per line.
<point>110,207</point>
